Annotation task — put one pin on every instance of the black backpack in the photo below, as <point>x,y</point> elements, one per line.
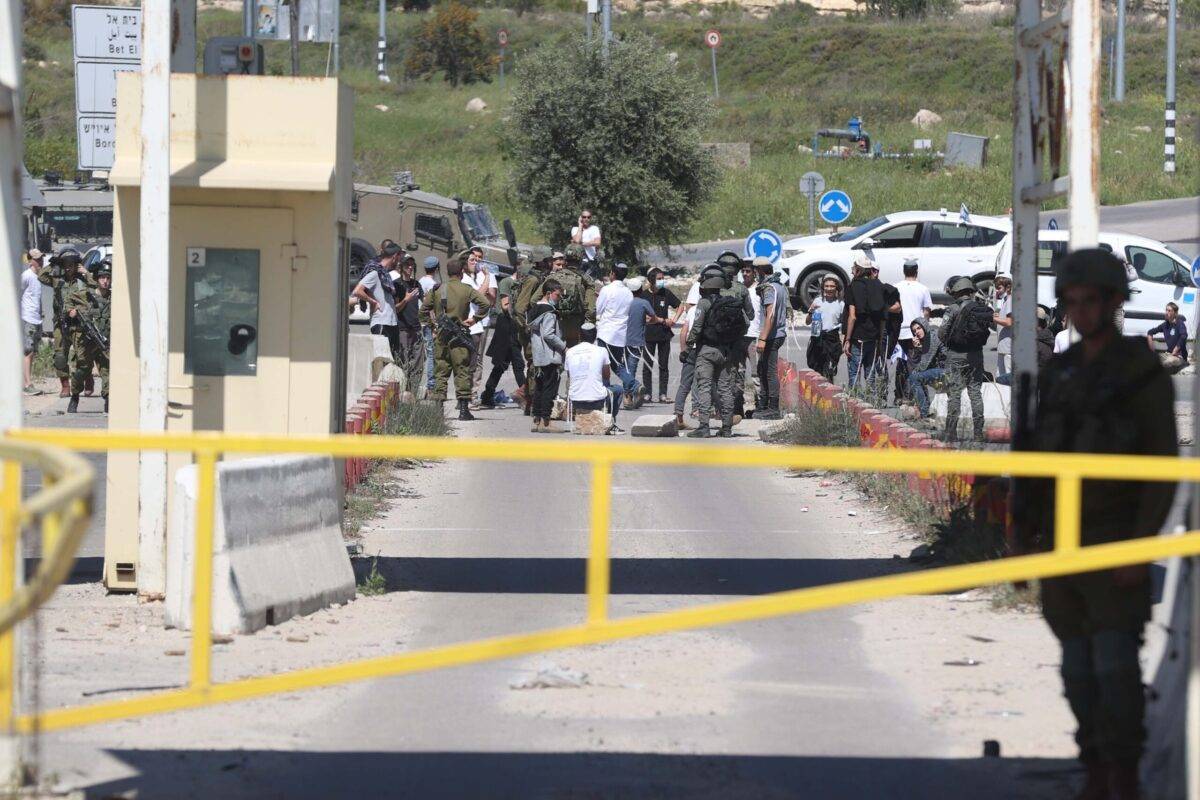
<point>971,327</point>
<point>725,323</point>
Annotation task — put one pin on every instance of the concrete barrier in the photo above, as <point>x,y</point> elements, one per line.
<point>361,351</point>
<point>277,543</point>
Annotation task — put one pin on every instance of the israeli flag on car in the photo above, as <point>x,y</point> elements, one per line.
<point>964,216</point>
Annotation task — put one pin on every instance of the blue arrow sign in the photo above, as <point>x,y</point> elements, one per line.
<point>1196,271</point>
<point>835,206</point>
<point>764,243</point>
<point>1052,225</point>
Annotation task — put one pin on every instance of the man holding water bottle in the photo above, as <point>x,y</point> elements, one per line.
<point>825,328</point>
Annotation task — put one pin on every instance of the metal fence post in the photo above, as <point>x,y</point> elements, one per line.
<point>598,568</point>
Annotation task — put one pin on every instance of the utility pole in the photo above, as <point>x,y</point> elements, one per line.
<point>294,35</point>
<point>337,37</point>
<point>606,25</point>
<point>1169,138</point>
<point>1119,89</point>
<point>383,76</point>
<point>1083,125</point>
<point>248,18</point>
<point>11,243</point>
<point>154,297</point>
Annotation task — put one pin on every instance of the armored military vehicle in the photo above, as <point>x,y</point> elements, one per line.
<point>425,224</point>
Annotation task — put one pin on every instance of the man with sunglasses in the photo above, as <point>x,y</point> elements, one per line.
<point>587,235</point>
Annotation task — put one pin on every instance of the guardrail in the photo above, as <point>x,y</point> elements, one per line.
<point>1068,470</point>
<point>62,509</point>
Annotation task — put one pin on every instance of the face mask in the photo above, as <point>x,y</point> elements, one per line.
<point>660,284</point>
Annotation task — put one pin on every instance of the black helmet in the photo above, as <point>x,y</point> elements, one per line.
<point>716,270</point>
<point>729,261</point>
<point>104,268</point>
<point>959,285</point>
<point>1092,266</point>
<point>69,254</point>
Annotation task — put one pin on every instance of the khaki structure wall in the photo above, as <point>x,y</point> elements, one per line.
<point>244,175</point>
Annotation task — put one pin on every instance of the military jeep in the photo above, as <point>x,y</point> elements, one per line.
<point>425,224</point>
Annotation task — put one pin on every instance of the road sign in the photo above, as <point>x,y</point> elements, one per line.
<point>835,206</point>
<point>812,183</point>
<point>713,38</point>
<point>502,36</point>
<point>1052,224</point>
<point>107,40</point>
<point>764,243</point>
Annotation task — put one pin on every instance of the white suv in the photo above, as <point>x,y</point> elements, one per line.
<point>940,241</point>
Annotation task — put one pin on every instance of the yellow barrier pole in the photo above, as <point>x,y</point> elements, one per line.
<point>10,504</point>
<point>206,476</point>
<point>51,524</point>
<point>1068,496</point>
<point>598,564</point>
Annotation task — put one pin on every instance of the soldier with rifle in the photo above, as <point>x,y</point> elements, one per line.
<point>531,287</point>
<point>448,307</point>
<point>66,272</point>
<point>89,312</point>
<point>1105,394</point>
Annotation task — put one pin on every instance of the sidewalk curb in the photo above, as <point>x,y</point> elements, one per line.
<point>367,415</point>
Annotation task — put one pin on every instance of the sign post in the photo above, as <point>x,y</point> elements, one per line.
<point>713,40</point>
<point>812,184</point>
<point>502,37</point>
<point>107,40</point>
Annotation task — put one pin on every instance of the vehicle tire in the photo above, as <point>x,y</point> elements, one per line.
<point>808,287</point>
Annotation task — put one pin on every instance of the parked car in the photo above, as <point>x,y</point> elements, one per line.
<point>944,245</point>
<point>1164,276</point>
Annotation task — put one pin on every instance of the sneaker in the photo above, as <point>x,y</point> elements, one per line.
<point>31,390</point>
<point>615,431</point>
<point>662,398</point>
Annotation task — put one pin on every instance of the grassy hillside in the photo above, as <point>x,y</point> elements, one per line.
<point>781,78</point>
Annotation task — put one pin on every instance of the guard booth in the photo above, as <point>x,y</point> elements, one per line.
<point>260,200</point>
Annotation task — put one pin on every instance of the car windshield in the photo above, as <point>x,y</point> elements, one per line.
<point>83,224</point>
<point>854,233</point>
<point>480,224</point>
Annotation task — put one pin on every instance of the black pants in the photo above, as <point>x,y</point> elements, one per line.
<point>513,359</point>
<point>392,332</point>
<point>659,352</point>
<point>545,389</point>
<point>902,391</point>
<point>768,376</point>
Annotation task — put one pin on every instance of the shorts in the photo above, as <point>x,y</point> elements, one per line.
<point>32,334</point>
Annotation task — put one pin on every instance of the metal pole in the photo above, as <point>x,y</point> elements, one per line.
<point>154,297</point>
<point>1119,91</point>
<point>248,18</point>
<point>606,25</point>
<point>716,89</point>
<point>382,65</point>
<point>501,69</point>
<point>812,213</point>
<point>337,37</point>
<point>1083,124</point>
<point>11,243</point>
<point>1169,139</point>
<point>1112,70</point>
<point>294,35</point>
<point>1191,750</point>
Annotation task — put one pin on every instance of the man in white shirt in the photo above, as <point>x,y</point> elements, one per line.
<point>612,318</point>
<point>476,274</point>
<point>428,281</point>
<point>1003,319</point>
<point>587,234</point>
<point>588,375</point>
<point>749,341</point>
<point>31,314</point>
<point>915,303</point>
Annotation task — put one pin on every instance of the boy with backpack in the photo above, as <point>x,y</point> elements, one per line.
<point>715,339</point>
<point>966,328</point>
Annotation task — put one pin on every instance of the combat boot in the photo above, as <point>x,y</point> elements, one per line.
<point>702,432</point>
<point>464,413</point>
<point>89,386</point>
<point>64,387</point>
<point>73,404</point>
<point>726,431</point>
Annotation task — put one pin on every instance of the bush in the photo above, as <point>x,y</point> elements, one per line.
<point>619,135</point>
<point>452,44</point>
<point>907,9</point>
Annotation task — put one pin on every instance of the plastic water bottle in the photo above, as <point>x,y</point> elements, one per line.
<point>816,323</point>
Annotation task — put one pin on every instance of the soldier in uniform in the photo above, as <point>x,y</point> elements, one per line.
<point>66,270</point>
<point>450,352</point>
<point>95,305</point>
<point>505,348</point>
<point>714,363</point>
<point>531,287</point>
<point>1106,394</point>
<point>731,265</point>
<point>578,303</point>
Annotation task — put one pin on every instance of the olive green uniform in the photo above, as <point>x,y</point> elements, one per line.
<point>714,366</point>
<point>1122,402</point>
<point>96,306</point>
<point>64,354</point>
<point>454,299</point>
<point>738,289</point>
<point>578,304</point>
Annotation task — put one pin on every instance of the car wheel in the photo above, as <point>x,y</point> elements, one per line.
<point>808,288</point>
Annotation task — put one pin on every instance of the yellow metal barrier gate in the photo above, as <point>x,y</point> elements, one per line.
<point>1067,470</point>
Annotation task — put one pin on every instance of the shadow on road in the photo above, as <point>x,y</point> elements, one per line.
<point>704,576</point>
<point>235,774</point>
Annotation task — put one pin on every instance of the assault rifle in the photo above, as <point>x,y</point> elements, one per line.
<point>92,332</point>
<point>454,333</point>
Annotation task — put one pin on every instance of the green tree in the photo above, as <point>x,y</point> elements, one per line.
<point>450,43</point>
<point>619,136</point>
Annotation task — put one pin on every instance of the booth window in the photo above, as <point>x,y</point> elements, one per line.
<point>222,319</point>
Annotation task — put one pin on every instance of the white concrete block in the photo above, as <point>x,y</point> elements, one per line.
<point>997,400</point>
<point>277,543</point>
<point>655,425</point>
<point>361,351</point>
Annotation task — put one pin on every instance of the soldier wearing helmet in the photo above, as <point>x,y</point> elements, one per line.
<point>965,330</point>
<point>65,273</point>
<point>90,312</point>
<point>578,302</point>
<point>1105,394</point>
<point>731,264</point>
<point>715,339</point>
